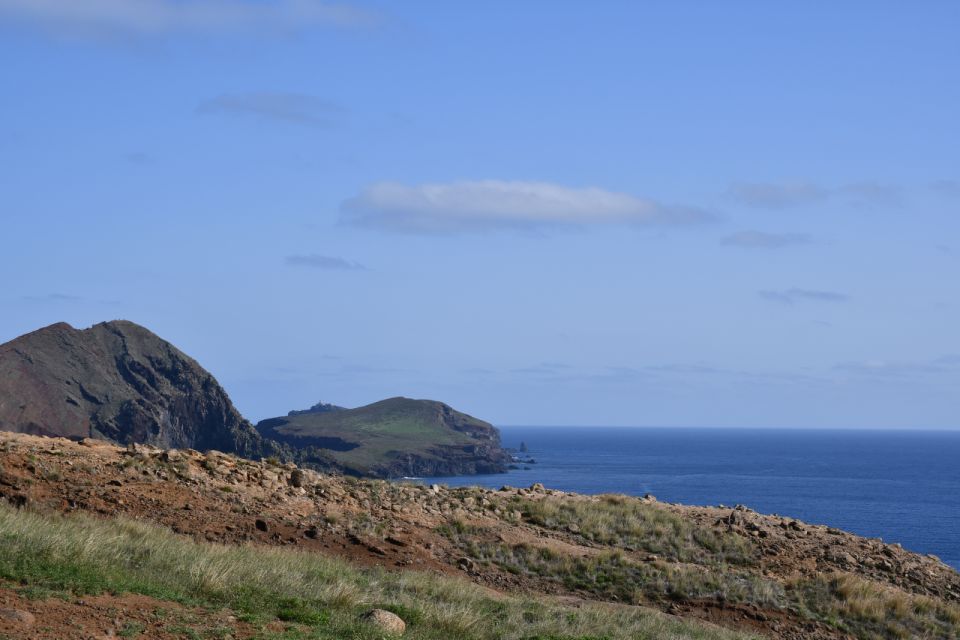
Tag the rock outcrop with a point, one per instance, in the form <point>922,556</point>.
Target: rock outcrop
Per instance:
<point>120,382</point>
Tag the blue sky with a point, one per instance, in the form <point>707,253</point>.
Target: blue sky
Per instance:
<point>617,213</point>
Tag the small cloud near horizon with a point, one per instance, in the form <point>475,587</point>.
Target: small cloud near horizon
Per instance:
<point>315,261</point>
<point>138,158</point>
<point>763,240</point>
<point>66,298</point>
<point>769,195</point>
<point>946,187</point>
<point>53,297</point>
<point>296,108</point>
<point>790,296</point>
<point>487,205</point>
<point>949,363</point>
<point>172,17</point>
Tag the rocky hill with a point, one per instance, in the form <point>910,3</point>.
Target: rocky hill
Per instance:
<point>393,438</point>
<point>120,382</point>
<point>751,574</point>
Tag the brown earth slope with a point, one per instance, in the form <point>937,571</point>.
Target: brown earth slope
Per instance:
<point>731,566</point>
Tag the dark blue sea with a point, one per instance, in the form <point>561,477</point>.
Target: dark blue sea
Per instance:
<point>902,486</point>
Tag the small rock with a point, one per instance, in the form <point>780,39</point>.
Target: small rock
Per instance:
<point>261,525</point>
<point>466,564</point>
<point>386,621</point>
<point>17,615</point>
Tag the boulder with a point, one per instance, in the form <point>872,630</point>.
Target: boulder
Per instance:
<point>24,618</point>
<point>386,621</point>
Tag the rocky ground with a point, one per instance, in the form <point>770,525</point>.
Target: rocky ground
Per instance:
<point>507,540</point>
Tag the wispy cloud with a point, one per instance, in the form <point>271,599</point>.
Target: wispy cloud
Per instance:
<point>944,364</point>
<point>946,187</point>
<point>138,158</point>
<point>65,298</point>
<point>790,296</point>
<point>54,297</point>
<point>315,261</point>
<point>170,17</point>
<point>770,195</point>
<point>763,240</point>
<point>297,108</point>
<point>498,204</point>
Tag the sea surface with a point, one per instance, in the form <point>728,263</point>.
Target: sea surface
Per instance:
<point>901,486</point>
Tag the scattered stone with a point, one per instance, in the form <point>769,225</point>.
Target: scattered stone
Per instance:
<point>18,615</point>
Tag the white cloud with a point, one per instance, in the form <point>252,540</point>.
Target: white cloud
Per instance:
<point>495,204</point>
<point>160,17</point>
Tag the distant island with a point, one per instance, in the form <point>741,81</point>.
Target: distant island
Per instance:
<point>393,438</point>
<point>120,382</point>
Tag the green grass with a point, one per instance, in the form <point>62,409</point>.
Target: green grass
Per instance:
<point>320,597</point>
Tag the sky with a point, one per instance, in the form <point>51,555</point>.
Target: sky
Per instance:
<point>681,213</point>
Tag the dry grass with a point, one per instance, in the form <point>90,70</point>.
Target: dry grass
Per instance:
<point>76,555</point>
<point>631,524</point>
<point>877,611</point>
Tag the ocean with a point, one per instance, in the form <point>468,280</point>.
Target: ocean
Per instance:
<point>901,486</point>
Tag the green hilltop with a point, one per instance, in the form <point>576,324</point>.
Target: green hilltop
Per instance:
<point>393,437</point>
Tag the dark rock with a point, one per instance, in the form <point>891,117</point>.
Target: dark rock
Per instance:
<point>261,525</point>
<point>296,478</point>
<point>127,385</point>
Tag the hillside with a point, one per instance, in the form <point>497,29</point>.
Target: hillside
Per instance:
<point>120,382</point>
<point>228,546</point>
<point>392,438</point>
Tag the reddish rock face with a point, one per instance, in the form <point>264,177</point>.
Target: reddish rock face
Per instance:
<point>120,382</point>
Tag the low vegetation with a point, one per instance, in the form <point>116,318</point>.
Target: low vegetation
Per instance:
<point>871,610</point>
<point>317,596</point>
<point>630,524</point>
<point>644,553</point>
